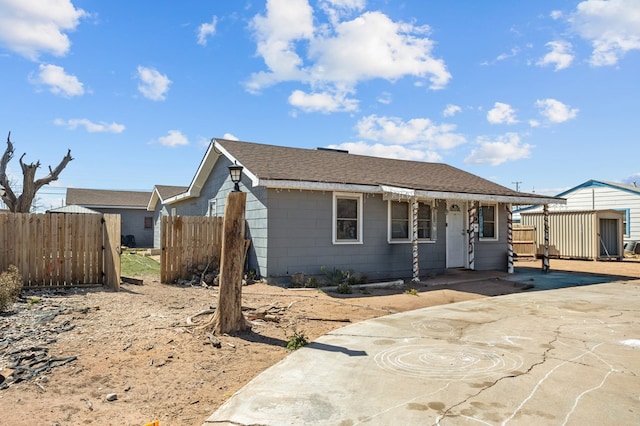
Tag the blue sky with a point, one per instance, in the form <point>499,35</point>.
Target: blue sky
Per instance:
<point>543,93</point>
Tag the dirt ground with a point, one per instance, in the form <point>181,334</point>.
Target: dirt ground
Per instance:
<point>138,345</point>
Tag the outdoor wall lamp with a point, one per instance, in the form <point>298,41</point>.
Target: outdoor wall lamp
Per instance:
<point>236,173</point>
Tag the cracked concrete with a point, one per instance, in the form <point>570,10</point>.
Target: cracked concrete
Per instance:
<point>568,357</point>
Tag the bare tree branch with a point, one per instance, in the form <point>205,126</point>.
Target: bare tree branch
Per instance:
<point>30,185</point>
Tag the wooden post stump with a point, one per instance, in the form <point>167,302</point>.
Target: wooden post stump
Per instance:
<point>228,317</point>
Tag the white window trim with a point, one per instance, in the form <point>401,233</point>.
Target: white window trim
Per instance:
<point>496,221</point>
<point>174,212</point>
<point>348,195</point>
<point>408,240</point>
<point>210,202</point>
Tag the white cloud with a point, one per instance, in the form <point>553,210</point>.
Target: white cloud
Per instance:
<point>385,98</point>
<point>33,27</point>
<point>207,29</point>
<point>59,82</point>
<point>450,110</point>
<point>230,137</point>
<point>555,111</point>
<point>90,126</point>
<point>501,113</point>
<point>173,139</point>
<point>612,27</point>
<point>153,85</point>
<point>556,14</point>
<point>560,55</point>
<point>322,102</point>
<point>337,56</point>
<point>534,123</point>
<point>415,131</point>
<point>495,152</point>
<point>388,151</point>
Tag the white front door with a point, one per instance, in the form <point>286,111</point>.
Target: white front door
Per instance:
<point>456,236</point>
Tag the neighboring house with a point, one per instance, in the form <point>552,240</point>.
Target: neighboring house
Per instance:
<point>312,208</point>
<point>130,205</point>
<point>159,208</point>
<point>73,209</point>
<point>600,195</point>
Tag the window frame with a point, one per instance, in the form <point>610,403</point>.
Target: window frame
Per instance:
<point>432,222</point>
<point>496,221</point>
<point>334,222</point>
<point>212,212</point>
<point>148,225</point>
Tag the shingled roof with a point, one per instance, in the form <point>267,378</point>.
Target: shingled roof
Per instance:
<point>280,166</point>
<point>107,198</point>
<point>163,192</point>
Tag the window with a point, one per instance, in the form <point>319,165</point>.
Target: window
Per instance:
<point>425,222</point>
<point>347,213</point>
<point>401,222</point>
<point>626,222</point>
<point>488,222</point>
<point>148,222</point>
<point>174,212</point>
<point>212,208</point>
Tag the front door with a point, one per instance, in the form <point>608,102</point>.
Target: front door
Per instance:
<point>456,236</point>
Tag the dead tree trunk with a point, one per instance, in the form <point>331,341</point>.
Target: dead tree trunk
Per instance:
<point>228,317</point>
<point>22,203</point>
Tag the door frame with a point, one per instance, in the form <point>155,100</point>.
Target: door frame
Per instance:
<point>458,206</point>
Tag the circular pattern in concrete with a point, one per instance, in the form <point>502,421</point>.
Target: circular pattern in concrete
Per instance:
<point>447,362</point>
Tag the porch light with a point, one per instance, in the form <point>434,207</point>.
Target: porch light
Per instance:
<point>236,173</point>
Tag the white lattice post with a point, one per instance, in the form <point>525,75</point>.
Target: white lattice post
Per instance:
<point>545,254</point>
<point>473,220</point>
<point>414,240</point>
<point>509,239</point>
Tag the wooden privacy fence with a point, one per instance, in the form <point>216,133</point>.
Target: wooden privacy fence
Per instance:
<point>189,241</point>
<point>52,250</point>
<point>524,241</point>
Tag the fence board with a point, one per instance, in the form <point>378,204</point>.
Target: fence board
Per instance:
<point>524,241</point>
<point>55,249</point>
<point>187,242</point>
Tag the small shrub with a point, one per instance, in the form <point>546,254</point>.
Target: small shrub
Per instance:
<point>297,341</point>
<point>344,288</point>
<point>10,287</point>
<point>312,282</point>
<point>412,292</point>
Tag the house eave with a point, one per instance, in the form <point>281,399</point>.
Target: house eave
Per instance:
<point>409,192</point>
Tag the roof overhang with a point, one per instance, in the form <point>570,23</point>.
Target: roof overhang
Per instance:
<point>392,191</point>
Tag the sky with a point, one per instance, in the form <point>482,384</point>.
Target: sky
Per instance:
<point>538,96</point>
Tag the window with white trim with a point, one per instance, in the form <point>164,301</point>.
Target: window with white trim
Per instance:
<point>488,221</point>
<point>212,207</point>
<point>401,222</point>
<point>347,218</point>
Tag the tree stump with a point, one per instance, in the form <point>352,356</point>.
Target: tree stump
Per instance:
<point>228,317</point>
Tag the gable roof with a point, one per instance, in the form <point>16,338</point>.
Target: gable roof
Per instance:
<point>592,182</point>
<point>163,192</point>
<point>297,168</point>
<point>105,198</point>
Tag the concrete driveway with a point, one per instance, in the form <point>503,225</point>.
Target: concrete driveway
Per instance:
<point>569,356</point>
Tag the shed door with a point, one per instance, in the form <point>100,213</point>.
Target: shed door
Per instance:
<point>609,233</point>
<point>456,237</point>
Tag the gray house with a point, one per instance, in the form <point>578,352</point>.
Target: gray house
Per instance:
<point>159,208</point>
<point>380,217</point>
<point>136,222</point>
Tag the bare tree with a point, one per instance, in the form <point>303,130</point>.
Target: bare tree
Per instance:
<point>22,203</point>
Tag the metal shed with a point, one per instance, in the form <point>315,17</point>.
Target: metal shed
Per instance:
<point>584,234</point>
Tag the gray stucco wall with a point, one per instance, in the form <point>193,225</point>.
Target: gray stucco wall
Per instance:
<point>300,239</point>
<point>132,223</point>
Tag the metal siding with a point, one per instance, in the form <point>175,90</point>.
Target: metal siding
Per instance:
<point>572,234</point>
